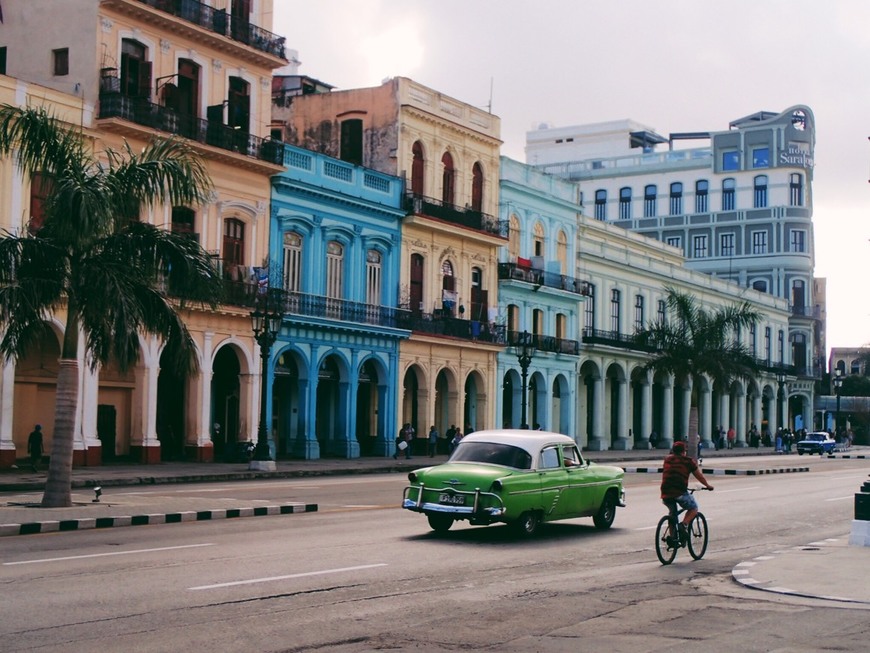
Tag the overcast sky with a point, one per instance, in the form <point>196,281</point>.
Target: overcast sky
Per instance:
<point>673,65</point>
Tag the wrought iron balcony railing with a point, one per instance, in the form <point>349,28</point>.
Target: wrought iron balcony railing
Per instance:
<point>249,295</point>
<point>148,114</point>
<point>464,217</point>
<point>545,343</point>
<point>541,278</point>
<point>445,325</point>
<point>615,339</point>
<point>220,22</point>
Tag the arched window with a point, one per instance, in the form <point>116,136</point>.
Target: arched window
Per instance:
<point>676,203</point>
<point>234,247</point>
<point>729,188</point>
<point>760,196</point>
<point>562,252</point>
<point>292,261</point>
<point>448,179</point>
<point>625,203</point>
<point>334,270</point>
<point>514,238</point>
<point>601,204</point>
<point>796,189</point>
<point>649,201</point>
<point>416,289</point>
<point>417,168</point>
<point>477,187</point>
<point>538,240</point>
<point>702,189</point>
<point>449,295</point>
<point>373,277</point>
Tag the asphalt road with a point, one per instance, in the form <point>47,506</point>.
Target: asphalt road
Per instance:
<point>363,575</point>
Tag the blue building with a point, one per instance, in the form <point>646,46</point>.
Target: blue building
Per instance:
<point>540,298</point>
<point>334,250</point>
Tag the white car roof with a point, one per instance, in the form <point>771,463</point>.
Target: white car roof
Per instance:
<point>531,441</point>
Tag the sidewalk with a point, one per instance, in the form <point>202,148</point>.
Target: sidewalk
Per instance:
<point>831,570</point>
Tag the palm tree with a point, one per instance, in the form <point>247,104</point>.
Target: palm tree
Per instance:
<point>693,342</point>
<point>92,258</point>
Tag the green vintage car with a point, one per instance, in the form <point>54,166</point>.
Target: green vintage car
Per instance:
<point>517,477</point>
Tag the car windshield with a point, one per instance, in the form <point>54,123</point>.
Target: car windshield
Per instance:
<point>816,436</point>
<point>490,452</point>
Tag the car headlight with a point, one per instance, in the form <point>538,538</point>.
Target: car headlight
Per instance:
<point>497,486</point>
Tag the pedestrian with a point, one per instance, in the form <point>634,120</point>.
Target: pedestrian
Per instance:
<point>34,446</point>
<point>457,437</point>
<point>409,439</point>
<point>731,436</point>
<point>400,438</point>
<point>433,441</point>
<point>653,439</point>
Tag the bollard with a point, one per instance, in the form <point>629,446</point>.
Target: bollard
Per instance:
<point>860,535</point>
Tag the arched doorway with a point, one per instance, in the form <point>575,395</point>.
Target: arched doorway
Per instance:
<point>367,408</point>
<point>328,422</point>
<point>225,394</point>
<point>285,403</point>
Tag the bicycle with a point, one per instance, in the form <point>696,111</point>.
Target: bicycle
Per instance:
<point>668,544</point>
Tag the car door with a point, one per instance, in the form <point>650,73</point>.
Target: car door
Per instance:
<point>579,496</point>
<point>554,481</point>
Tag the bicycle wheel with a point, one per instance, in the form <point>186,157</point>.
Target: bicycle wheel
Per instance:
<point>664,551</point>
<point>698,537</point>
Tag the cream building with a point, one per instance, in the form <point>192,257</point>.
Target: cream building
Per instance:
<point>620,404</point>
<point>133,70</point>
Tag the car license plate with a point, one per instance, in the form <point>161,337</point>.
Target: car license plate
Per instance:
<point>452,499</point>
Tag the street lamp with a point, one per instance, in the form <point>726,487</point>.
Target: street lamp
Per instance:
<point>780,417</point>
<point>525,353</point>
<point>265,325</point>
<point>838,385</point>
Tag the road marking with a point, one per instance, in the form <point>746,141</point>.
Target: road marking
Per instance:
<point>647,528</point>
<point>851,496</point>
<point>742,489</point>
<point>112,553</point>
<point>274,578</point>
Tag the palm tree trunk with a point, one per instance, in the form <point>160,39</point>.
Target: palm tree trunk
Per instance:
<point>58,485</point>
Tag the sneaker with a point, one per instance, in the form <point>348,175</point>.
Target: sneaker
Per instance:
<point>684,534</point>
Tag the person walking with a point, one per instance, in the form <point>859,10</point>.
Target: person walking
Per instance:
<point>400,438</point>
<point>433,441</point>
<point>409,439</point>
<point>732,435</point>
<point>34,447</point>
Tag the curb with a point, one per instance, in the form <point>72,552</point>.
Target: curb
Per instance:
<point>723,472</point>
<point>33,528</point>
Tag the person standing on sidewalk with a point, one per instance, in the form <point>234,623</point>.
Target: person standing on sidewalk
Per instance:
<point>34,447</point>
<point>433,441</point>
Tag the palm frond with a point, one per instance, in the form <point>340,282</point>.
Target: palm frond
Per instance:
<point>42,142</point>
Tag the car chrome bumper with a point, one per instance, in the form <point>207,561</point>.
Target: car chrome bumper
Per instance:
<point>418,505</point>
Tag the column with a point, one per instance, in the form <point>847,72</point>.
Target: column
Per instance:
<point>705,418</point>
<point>91,445</point>
<point>646,412</point>
<point>741,419</point>
<point>622,442</point>
<point>596,439</point>
<point>667,434</point>
<point>8,454</point>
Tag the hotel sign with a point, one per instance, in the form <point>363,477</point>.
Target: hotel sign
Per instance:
<point>796,154</point>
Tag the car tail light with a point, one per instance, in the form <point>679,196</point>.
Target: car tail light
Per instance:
<point>412,476</point>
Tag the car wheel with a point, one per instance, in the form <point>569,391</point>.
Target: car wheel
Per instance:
<point>800,453</point>
<point>440,523</point>
<point>527,524</point>
<point>606,513</point>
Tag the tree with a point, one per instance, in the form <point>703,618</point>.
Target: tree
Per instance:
<point>693,342</point>
<point>93,259</point>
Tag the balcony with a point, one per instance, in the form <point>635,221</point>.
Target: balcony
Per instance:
<point>455,215</point>
<point>249,295</point>
<point>615,339</point>
<point>214,22</point>
<point>442,324</point>
<point>813,312</point>
<point>147,114</point>
<point>549,344</point>
<point>540,278</point>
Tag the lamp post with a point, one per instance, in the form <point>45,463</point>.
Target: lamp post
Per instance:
<point>265,325</point>
<point>525,353</point>
<point>780,414</point>
<point>838,385</point>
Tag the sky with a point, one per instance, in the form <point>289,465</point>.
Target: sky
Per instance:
<point>673,65</point>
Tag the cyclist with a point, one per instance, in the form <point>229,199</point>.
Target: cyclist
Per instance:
<point>675,487</point>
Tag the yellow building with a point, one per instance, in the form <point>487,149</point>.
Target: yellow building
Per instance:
<point>448,153</point>
<point>135,70</point>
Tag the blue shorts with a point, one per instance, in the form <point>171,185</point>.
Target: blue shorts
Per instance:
<point>686,501</point>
